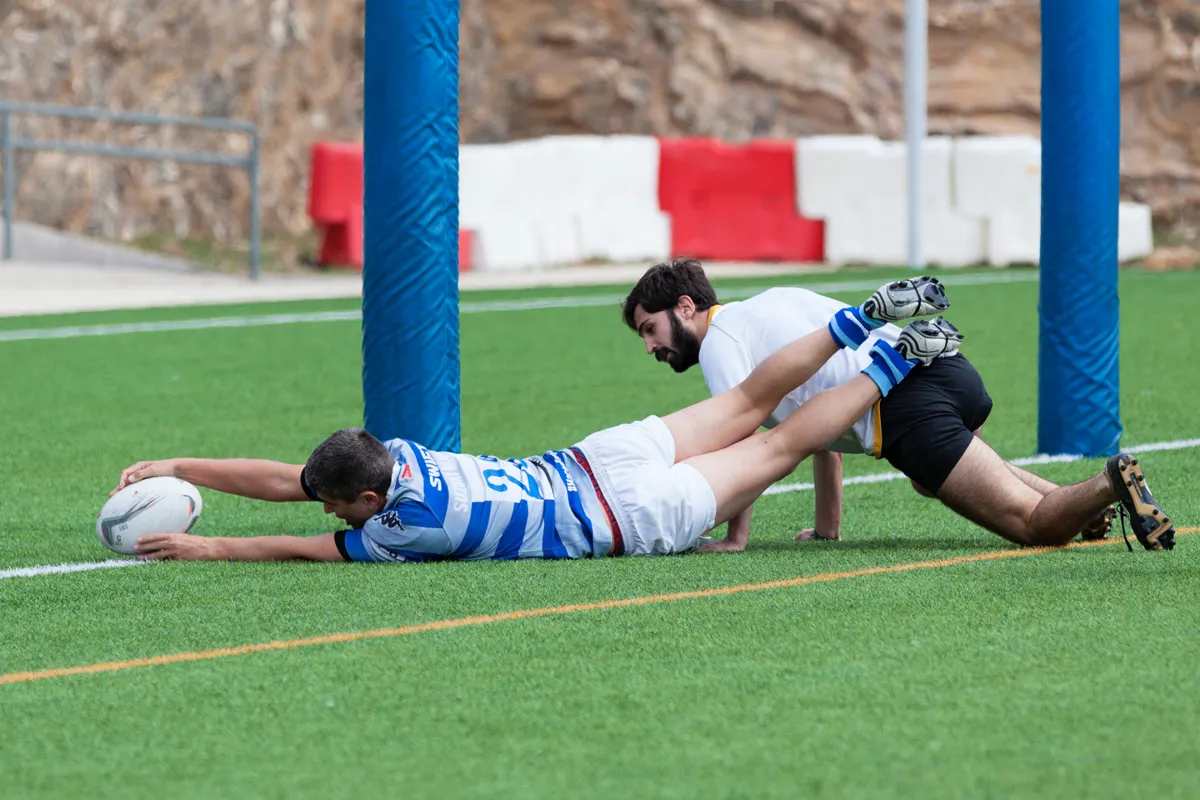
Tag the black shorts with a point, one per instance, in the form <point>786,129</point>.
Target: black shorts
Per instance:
<point>928,421</point>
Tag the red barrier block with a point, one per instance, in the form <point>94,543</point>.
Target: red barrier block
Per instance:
<point>466,242</point>
<point>335,201</point>
<point>336,180</point>
<point>735,202</point>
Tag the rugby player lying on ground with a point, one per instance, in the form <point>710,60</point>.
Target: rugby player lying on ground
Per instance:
<point>646,488</point>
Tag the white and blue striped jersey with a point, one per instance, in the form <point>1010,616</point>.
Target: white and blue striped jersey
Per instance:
<point>444,506</point>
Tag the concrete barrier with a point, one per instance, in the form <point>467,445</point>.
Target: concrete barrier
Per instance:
<point>562,200</point>
<point>1135,232</point>
<point>567,199</point>
<point>858,185</point>
<point>998,180</point>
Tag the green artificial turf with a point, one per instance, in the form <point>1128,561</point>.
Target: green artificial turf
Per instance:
<point>1055,674</point>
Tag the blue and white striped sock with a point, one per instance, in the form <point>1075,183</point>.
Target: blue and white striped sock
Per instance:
<point>850,327</point>
<point>887,367</point>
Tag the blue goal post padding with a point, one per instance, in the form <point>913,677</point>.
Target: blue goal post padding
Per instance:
<point>1079,410</point>
<point>410,220</point>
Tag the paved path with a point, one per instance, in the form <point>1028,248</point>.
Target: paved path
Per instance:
<point>55,288</point>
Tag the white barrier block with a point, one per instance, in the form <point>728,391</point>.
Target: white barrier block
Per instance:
<point>835,181</point>
<point>578,197</point>
<point>1015,234</point>
<point>949,239</point>
<point>491,187</point>
<point>551,171</point>
<point>845,238</point>
<point>486,172</point>
<point>831,172</point>
<point>952,240</point>
<point>867,222</point>
<point>617,234</point>
<point>558,237</point>
<point>998,180</point>
<point>511,195</point>
<point>1135,232</point>
<point>618,217</point>
<point>506,243</point>
<point>627,168</point>
<point>938,185</point>
<point>994,174</point>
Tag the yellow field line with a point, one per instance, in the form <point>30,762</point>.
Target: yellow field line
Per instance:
<point>463,622</point>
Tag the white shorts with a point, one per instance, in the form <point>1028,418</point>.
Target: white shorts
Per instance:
<point>662,507</point>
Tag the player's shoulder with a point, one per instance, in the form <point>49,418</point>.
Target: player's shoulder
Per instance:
<point>782,305</point>
<point>729,318</point>
<point>791,309</point>
<point>406,475</point>
<point>412,455</point>
<point>401,449</point>
<point>724,332</point>
<point>778,301</point>
<point>791,297</point>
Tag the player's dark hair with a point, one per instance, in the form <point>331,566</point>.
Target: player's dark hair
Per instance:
<point>348,463</point>
<point>662,286</point>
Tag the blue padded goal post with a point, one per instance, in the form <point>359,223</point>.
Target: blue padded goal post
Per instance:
<point>410,220</point>
<point>1079,408</point>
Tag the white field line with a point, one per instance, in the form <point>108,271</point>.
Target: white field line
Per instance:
<point>1180,444</point>
<point>59,569</point>
<point>469,307</point>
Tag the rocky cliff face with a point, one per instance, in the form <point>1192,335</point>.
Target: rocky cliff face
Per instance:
<point>735,69</point>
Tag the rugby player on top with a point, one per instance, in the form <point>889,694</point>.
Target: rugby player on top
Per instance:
<point>928,428</point>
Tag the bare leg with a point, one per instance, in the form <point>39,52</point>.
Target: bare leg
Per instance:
<point>731,416</point>
<point>1096,528</point>
<point>986,490</point>
<point>739,473</point>
<point>1067,510</point>
<point>1035,482</point>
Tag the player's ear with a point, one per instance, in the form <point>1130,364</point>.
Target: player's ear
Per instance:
<point>686,307</point>
<point>371,499</point>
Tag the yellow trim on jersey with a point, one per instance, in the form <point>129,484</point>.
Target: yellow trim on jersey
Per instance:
<point>877,445</point>
<point>712,312</point>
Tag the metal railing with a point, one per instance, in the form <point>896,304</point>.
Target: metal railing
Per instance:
<point>9,144</point>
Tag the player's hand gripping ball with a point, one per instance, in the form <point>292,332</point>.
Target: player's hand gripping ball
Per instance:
<point>154,505</point>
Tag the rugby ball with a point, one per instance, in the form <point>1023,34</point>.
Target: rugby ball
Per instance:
<point>154,505</point>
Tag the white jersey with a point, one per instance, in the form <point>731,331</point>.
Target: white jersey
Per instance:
<point>445,506</point>
<point>744,334</point>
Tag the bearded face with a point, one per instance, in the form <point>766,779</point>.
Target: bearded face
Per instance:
<point>684,350</point>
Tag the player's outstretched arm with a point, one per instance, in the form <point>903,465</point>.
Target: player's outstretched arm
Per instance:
<point>827,490</point>
<point>186,547</point>
<point>258,479</point>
